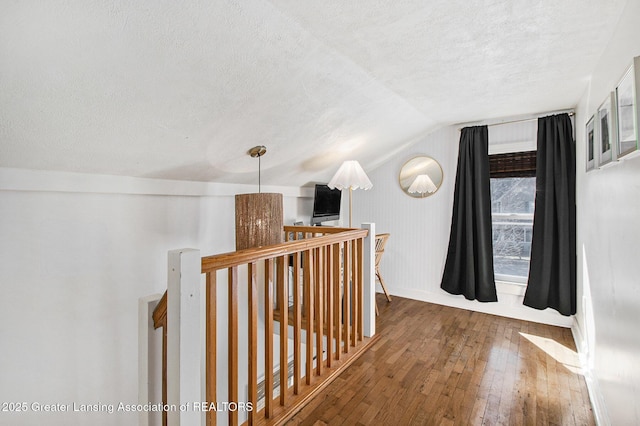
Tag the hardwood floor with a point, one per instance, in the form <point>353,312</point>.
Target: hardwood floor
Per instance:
<point>435,365</point>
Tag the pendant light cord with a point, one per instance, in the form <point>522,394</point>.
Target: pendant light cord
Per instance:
<point>258,151</point>
<point>259,174</point>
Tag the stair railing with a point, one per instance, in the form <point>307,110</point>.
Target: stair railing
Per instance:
<point>282,321</point>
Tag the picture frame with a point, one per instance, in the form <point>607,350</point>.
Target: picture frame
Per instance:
<point>590,140</point>
<point>626,99</point>
<point>606,140</point>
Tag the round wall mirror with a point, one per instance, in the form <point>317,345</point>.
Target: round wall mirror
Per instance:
<point>421,177</point>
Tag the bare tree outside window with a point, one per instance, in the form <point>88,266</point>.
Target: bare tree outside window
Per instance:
<point>512,206</point>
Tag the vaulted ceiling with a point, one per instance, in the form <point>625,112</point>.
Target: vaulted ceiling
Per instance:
<point>182,89</point>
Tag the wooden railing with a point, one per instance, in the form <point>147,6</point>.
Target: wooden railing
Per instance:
<point>305,300</point>
<point>324,311</point>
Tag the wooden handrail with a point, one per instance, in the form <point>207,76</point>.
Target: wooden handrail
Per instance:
<point>322,230</point>
<point>242,257</point>
<point>160,312</point>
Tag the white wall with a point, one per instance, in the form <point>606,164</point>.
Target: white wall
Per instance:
<point>608,246</point>
<point>76,253</point>
<point>415,254</point>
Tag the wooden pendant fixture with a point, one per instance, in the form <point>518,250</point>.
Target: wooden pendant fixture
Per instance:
<point>259,217</point>
<point>258,220</point>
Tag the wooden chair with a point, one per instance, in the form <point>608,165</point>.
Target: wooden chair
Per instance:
<point>381,241</point>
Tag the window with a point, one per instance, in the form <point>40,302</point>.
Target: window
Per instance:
<point>513,189</point>
<point>512,203</point>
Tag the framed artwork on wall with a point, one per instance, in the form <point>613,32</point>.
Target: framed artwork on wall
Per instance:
<point>627,110</point>
<point>606,133</point>
<point>591,141</point>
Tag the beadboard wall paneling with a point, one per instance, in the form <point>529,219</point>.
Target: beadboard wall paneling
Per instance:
<point>416,252</point>
<point>608,212</point>
<point>77,251</point>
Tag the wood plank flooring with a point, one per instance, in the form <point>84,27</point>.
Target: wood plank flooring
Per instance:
<point>435,365</point>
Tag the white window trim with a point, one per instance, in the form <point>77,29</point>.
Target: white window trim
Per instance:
<point>508,148</point>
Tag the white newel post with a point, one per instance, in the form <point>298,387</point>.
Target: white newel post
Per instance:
<point>368,281</point>
<point>184,344</point>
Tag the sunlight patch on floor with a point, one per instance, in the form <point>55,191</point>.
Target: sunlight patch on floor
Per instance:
<point>565,356</point>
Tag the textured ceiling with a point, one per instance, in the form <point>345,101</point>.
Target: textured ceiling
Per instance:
<point>181,90</point>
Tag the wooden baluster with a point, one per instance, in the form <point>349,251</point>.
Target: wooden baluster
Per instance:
<point>297,323</point>
<point>346,303</point>
<point>360,243</point>
<point>283,301</point>
<point>355,280</point>
<point>253,340</point>
<point>211,341</point>
<point>268,338</point>
<point>337,295</point>
<point>319,308</point>
<point>308,302</point>
<point>329,267</point>
<point>233,342</point>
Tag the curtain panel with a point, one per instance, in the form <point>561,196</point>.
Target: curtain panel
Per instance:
<point>468,269</point>
<point>552,271</point>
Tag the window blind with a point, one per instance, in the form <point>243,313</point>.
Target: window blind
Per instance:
<point>513,164</point>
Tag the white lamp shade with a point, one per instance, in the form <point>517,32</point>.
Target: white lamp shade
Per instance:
<point>350,175</point>
<point>422,185</point>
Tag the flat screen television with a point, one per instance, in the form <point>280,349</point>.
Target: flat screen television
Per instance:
<point>326,204</point>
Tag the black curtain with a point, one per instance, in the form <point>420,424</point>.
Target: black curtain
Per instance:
<point>552,272</point>
<point>469,266</point>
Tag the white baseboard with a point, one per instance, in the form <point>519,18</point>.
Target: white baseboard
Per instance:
<point>495,308</point>
<point>600,413</point>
